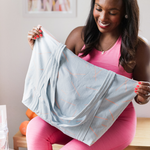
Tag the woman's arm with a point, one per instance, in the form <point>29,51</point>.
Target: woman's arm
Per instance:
<point>141,72</point>
<point>74,41</point>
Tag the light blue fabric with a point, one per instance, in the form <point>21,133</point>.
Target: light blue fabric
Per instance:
<point>78,98</point>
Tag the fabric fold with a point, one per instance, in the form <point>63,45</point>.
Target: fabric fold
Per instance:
<point>78,98</point>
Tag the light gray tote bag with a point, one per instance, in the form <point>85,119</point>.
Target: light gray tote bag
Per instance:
<point>78,98</point>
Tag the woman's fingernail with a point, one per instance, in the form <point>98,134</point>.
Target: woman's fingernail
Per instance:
<point>41,35</point>
<point>136,89</point>
<point>40,31</point>
<point>139,82</point>
<point>37,36</point>
<point>137,86</point>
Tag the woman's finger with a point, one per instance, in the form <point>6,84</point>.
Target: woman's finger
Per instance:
<point>39,26</point>
<point>34,33</point>
<point>142,99</point>
<point>143,89</point>
<point>144,93</point>
<point>144,83</point>
<point>37,31</point>
<point>141,94</point>
<point>31,37</point>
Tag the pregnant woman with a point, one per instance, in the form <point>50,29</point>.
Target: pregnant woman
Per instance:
<point>108,40</point>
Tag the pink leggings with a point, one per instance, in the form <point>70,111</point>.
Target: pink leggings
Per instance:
<point>41,135</point>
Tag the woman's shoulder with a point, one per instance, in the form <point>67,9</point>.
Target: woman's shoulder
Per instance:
<point>75,40</point>
<point>143,48</point>
<point>142,69</point>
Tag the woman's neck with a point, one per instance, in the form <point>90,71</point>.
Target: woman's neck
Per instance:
<point>107,40</point>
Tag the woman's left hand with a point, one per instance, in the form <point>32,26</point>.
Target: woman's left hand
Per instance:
<point>143,92</point>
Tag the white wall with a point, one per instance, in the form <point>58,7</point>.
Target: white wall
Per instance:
<point>144,18</point>
<point>15,52</point>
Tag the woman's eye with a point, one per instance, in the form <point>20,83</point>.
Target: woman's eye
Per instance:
<point>112,13</point>
<point>99,9</point>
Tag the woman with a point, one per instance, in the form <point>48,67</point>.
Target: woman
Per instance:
<point>109,40</point>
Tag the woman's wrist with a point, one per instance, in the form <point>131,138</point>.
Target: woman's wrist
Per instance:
<point>136,99</point>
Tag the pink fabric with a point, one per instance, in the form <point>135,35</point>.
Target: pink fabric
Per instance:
<point>41,135</point>
<point>109,60</point>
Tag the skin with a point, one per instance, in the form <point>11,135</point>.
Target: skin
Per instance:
<point>111,12</point>
<point>108,12</point>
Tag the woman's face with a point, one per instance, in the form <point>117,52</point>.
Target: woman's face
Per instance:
<point>108,15</point>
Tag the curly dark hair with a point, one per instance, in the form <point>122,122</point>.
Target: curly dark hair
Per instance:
<point>129,33</point>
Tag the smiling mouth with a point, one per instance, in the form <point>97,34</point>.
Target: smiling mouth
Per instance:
<point>103,25</point>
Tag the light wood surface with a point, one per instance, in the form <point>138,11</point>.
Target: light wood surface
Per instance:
<point>57,147</point>
<point>137,148</point>
<point>141,140</point>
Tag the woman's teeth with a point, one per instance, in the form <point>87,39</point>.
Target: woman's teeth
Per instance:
<point>104,25</point>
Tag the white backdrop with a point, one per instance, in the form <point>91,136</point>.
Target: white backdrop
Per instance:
<point>15,52</point>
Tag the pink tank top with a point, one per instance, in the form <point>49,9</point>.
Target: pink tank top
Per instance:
<point>108,60</point>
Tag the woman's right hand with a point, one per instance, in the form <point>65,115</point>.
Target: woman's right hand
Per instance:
<point>35,33</point>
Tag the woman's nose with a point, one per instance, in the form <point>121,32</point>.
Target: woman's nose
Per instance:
<point>103,16</point>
